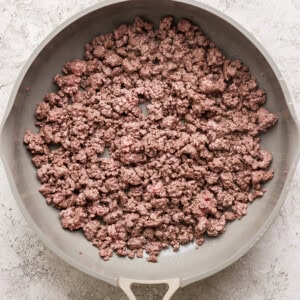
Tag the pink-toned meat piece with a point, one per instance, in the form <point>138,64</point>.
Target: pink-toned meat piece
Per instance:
<point>174,175</point>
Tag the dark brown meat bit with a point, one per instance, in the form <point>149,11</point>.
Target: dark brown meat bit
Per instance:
<point>173,175</point>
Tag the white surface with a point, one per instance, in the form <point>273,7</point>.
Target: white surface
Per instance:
<point>271,270</point>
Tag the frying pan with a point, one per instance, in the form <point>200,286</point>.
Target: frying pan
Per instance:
<point>189,264</point>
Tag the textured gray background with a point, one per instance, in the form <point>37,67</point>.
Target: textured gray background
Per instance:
<point>271,270</point>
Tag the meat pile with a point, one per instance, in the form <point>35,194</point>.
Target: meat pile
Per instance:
<point>174,174</point>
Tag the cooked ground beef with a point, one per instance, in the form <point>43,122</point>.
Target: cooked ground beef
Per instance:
<point>174,174</point>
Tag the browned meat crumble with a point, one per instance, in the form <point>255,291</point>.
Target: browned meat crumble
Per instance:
<point>182,171</point>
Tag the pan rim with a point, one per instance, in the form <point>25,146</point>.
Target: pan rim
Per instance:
<point>112,280</point>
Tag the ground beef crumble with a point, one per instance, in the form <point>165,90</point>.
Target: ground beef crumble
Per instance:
<point>173,175</point>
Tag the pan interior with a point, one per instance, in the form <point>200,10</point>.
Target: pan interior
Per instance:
<point>189,263</point>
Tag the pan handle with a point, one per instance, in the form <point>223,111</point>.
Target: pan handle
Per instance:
<point>125,285</point>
